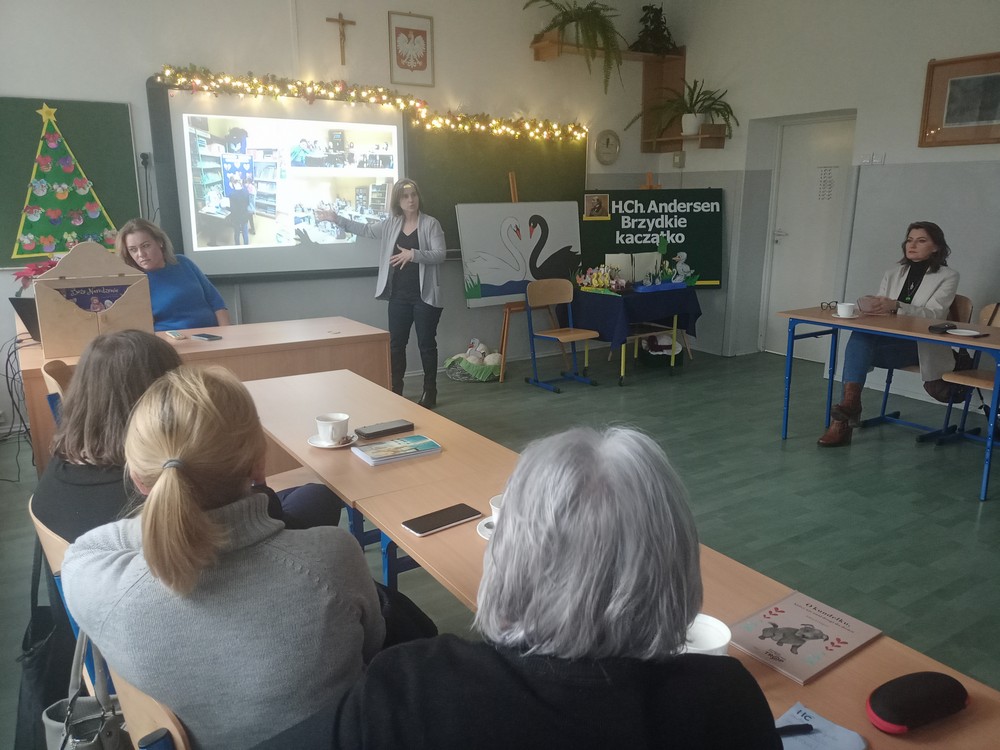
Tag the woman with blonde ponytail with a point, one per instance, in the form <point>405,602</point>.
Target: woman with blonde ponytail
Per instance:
<point>241,626</point>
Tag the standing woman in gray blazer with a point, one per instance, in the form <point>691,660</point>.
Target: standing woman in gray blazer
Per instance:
<point>921,285</point>
<point>411,247</point>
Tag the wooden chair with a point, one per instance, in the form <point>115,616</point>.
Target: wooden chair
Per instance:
<point>144,714</point>
<point>543,293</point>
<point>959,312</point>
<point>978,378</point>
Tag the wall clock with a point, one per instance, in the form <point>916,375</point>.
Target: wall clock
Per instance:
<point>607,147</point>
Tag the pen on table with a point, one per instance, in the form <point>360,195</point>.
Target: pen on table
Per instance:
<point>791,730</point>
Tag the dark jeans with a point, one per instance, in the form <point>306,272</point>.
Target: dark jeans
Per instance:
<point>867,350</point>
<point>307,506</point>
<point>403,315</point>
<point>241,232</point>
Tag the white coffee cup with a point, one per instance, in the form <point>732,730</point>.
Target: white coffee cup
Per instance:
<point>707,635</point>
<point>495,502</point>
<point>846,309</point>
<point>332,427</point>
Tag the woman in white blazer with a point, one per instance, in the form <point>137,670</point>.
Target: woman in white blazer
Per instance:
<point>922,286</point>
<point>411,247</point>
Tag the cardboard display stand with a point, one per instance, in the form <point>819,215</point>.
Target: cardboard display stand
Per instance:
<point>91,291</point>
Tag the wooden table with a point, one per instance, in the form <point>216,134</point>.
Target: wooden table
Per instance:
<point>252,351</point>
<point>471,469</point>
<point>895,326</point>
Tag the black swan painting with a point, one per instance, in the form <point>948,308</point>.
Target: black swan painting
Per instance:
<point>561,264</point>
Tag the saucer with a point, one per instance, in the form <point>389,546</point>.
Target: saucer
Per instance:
<point>315,442</point>
<point>485,527</point>
<point>846,317</point>
<point>962,332</point>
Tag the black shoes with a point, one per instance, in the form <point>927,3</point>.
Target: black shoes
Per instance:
<point>428,399</point>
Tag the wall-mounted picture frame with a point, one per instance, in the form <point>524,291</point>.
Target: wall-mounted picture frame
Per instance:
<point>411,49</point>
<point>961,101</point>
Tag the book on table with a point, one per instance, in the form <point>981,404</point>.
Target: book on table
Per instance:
<point>800,636</point>
<point>396,449</point>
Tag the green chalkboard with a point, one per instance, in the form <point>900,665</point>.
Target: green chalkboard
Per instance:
<point>100,136</point>
<point>453,168</point>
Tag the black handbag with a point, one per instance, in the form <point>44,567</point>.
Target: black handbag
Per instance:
<point>46,659</point>
<point>84,722</point>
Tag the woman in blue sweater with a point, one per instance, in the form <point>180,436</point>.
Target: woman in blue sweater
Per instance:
<point>181,295</point>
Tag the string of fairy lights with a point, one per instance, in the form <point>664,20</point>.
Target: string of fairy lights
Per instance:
<point>197,79</point>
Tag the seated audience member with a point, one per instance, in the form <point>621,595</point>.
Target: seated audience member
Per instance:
<point>181,295</point>
<point>589,585</point>
<point>922,286</point>
<point>242,627</point>
<point>84,484</point>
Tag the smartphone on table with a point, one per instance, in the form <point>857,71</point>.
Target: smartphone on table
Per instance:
<point>205,336</point>
<point>439,520</point>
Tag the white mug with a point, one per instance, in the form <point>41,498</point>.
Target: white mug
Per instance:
<point>332,427</point>
<point>495,503</point>
<point>845,309</point>
<point>707,635</point>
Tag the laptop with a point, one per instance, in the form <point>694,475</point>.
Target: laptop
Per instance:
<point>28,313</point>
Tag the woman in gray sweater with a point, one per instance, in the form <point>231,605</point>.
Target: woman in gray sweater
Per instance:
<point>241,626</point>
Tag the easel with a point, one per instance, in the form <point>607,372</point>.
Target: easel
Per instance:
<point>517,307</point>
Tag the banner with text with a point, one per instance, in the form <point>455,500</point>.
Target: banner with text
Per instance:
<point>634,221</point>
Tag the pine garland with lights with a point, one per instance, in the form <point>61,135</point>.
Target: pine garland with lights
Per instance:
<point>198,79</point>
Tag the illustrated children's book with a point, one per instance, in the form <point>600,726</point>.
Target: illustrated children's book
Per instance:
<point>394,450</point>
<point>801,637</point>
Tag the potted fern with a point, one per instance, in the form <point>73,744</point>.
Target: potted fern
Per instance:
<point>693,106</point>
<point>593,27</point>
<point>655,36</point>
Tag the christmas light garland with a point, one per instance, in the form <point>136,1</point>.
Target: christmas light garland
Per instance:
<point>198,79</point>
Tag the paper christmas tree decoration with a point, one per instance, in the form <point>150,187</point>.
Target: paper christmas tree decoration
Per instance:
<point>61,207</point>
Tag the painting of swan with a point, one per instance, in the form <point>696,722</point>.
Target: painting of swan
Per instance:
<point>535,240</point>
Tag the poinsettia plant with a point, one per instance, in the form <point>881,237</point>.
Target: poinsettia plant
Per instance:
<point>30,271</point>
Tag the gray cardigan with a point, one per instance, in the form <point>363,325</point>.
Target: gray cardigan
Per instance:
<point>431,252</point>
<point>276,630</point>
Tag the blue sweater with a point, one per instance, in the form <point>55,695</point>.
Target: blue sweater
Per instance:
<point>182,297</point>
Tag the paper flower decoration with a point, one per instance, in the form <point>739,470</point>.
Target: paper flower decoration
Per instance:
<point>31,270</point>
<point>76,217</point>
<point>28,243</point>
<point>93,209</point>
<point>48,243</point>
<point>109,237</point>
<point>44,162</point>
<point>66,163</point>
<point>55,215</point>
<point>52,139</point>
<point>39,187</point>
<point>61,189</point>
<point>34,213</point>
<point>82,185</point>
<point>71,239</point>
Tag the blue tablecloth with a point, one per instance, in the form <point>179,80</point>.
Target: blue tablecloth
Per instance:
<point>610,315</point>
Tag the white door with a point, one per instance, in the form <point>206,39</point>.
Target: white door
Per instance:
<point>813,174</point>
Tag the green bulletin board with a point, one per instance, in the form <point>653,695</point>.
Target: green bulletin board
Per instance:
<point>633,221</point>
<point>96,144</point>
<point>453,168</point>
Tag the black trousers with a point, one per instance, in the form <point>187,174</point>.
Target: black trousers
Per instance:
<point>424,317</point>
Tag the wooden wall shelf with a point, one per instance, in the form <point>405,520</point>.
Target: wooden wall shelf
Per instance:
<point>547,47</point>
<point>709,136</point>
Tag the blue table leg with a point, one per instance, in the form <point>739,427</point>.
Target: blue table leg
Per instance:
<point>356,523</point>
<point>392,564</point>
<point>989,432</point>
<point>789,352</point>
<point>831,371</point>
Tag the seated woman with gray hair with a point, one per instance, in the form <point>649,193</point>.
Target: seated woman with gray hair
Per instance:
<point>589,584</point>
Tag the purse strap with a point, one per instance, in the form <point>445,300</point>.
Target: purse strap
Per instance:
<point>100,676</point>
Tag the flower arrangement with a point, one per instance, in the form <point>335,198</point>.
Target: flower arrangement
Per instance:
<point>27,274</point>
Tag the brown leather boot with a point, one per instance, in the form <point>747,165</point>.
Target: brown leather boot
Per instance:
<point>849,409</point>
<point>839,433</point>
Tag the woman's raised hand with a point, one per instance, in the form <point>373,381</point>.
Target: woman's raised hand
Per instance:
<point>326,214</point>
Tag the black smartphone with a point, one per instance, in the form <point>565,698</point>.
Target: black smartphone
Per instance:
<point>382,429</point>
<point>441,519</point>
<point>205,336</point>
<point>941,327</point>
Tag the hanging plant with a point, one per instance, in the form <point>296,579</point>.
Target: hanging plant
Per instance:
<point>655,36</point>
<point>594,31</point>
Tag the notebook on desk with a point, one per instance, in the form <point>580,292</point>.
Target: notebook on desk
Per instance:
<point>28,313</point>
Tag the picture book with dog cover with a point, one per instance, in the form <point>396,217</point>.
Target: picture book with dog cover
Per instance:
<point>800,636</point>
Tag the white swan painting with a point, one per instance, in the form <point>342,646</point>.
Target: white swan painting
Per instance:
<point>534,241</point>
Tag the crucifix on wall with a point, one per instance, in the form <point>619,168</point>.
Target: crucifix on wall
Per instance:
<point>343,23</point>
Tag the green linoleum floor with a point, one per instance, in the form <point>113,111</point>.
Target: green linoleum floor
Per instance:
<point>886,529</point>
